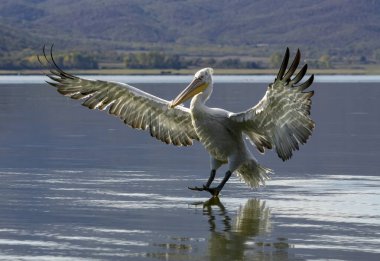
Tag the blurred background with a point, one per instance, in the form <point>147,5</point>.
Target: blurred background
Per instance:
<point>336,36</point>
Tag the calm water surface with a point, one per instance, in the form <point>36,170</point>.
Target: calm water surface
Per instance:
<point>79,185</point>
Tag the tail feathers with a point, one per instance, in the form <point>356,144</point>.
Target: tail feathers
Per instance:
<point>253,174</point>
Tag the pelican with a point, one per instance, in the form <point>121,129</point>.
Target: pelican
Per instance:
<point>280,121</point>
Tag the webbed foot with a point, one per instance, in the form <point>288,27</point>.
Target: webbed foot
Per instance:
<point>213,191</point>
<point>203,188</point>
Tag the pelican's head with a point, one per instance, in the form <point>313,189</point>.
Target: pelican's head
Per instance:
<point>202,80</point>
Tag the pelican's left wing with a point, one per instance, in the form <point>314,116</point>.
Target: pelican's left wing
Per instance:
<point>134,107</point>
<point>281,120</point>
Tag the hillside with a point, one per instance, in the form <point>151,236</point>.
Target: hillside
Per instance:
<point>224,27</point>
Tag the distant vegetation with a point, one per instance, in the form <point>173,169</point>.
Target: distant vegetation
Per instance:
<point>77,60</point>
<point>159,60</point>
<point>141,60</point>
<point>154,60</point>
<point>323,62</point>
<point>69,61</point>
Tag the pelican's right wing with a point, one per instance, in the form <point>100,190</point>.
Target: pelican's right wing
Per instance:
<point>134,107</point>
<point>281,120</point>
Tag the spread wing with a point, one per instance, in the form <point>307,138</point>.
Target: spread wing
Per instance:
<point>281,120</point>
<point>134,107</point>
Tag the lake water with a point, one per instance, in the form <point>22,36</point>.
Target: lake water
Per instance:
<point>77,184</point>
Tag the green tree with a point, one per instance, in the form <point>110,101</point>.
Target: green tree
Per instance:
<point>275,60</point>
<point>324,61</point>
<point>80,61</point>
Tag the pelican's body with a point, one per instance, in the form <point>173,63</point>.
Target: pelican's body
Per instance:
<point>215,133</point>
<point>280,120</point>
<point>225,144</point>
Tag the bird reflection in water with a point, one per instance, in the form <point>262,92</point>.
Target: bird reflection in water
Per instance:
<point>247,235</point>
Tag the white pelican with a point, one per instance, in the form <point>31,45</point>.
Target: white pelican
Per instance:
<point>281,120</point>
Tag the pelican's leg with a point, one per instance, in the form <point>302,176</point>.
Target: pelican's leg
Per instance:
<point>234,161</point>
<point>209,181</point>
<point>211,178</point>
<point>215,164</point>
<point>216,190</point>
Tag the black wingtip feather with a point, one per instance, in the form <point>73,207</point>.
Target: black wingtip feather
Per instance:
<point>300,75</point>
<point>294,66</point>
<point>57,85</point>
<point>284,64</point>
<point>63,73</point>
<point>54,68</point>
<point>306,84</point>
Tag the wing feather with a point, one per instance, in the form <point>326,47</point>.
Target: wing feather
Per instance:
<point>134,107</point>
<point>282,117</point>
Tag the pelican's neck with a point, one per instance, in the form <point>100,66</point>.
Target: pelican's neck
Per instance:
<point>200,99</point>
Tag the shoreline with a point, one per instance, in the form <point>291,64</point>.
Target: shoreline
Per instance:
<point>374,71</point>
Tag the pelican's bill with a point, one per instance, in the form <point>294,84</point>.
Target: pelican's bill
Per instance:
<point>195,87</point>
